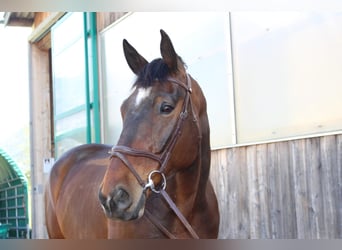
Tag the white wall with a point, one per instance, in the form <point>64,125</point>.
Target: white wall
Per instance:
<point>266,75</point>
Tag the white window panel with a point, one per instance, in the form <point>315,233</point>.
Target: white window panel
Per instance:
<point>287,74</point>
<point>200,38</point>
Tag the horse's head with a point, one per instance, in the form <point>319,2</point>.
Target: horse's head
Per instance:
<point>162,130</point>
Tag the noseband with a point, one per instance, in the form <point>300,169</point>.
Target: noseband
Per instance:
<point>120,152</point>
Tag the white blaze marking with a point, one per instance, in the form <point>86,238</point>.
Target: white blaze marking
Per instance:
<point>142,94</point>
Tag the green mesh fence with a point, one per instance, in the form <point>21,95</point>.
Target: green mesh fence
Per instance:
<point>13,199</point>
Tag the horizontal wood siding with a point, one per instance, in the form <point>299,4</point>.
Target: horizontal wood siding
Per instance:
<point>286,190</point>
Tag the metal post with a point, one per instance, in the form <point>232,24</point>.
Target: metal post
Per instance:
<point>91,66</point>
<point>95,80</point>
<point>87,87</point>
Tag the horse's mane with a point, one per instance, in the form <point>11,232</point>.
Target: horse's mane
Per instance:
<point>155,71</point>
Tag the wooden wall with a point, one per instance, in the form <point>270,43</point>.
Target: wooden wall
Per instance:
<point>104,19</point>
<point>40,127</point>
<point>290,189</point>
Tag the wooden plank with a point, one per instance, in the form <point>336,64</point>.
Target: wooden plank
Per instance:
<point>242,194</point>
<point>45,42</point>
<point>39,17</point>
<point>283,190</point>
<point>40,132</point>
<point>253,193</point>
<point>104,19</point>
<point>273,189</point>
<point>232,193</point>
<point>329,160</point>
<point>231,188</point>
<point>300,187</point>
<point>219,177</point>
<point>339,185</point>
<point>265,231</point>
<point>286,193</point>
<point>44,26</point>
<point>278,180</point>
<point>312,147</point>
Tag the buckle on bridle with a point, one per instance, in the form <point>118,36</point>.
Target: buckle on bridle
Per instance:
<point>150,184</point>
<point>183,115</point>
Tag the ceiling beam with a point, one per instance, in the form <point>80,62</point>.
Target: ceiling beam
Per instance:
<point>44,27</point>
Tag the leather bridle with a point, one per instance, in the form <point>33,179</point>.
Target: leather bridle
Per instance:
<point>120,152</point>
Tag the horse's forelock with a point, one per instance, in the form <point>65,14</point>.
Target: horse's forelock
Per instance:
<point>157,70</point>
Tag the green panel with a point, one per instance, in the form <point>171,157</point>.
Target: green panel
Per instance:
<point>22,233</point>
<point>13,196</point>
<point>15,182</point>
<point>11,212</point>
<point>21,190</point>
<point>21,211</point>
<point>20,201</point>
<point>76,91</point>
<point>2,214</point>
<point>3,204</point>
<point>12,233</point>
<point>11,192</point>
<point>13,222</point>
<point>21,222</point>
<point>4,231</point>
<point>69,83</point>
<point>11,203</point>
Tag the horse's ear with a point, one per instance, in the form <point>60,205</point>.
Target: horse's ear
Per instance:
<point>168,52</point>
<point>135,61</point>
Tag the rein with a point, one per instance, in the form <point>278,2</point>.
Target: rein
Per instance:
<point>120,152</point>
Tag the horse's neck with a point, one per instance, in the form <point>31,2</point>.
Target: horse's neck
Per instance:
<point>204,154</point>
<point>189,186</point>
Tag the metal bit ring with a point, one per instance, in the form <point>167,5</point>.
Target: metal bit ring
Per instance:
<point>150,183</point>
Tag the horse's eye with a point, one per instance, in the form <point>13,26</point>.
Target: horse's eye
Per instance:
<point>166,108</point>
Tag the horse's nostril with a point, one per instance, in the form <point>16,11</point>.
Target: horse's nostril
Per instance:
<point>115,205</point>
<point>120,199</point>
<point>102,198</point>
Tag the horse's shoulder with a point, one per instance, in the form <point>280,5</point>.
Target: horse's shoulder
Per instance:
<point>70,160</point>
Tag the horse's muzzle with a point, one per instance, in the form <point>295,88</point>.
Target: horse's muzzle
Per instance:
<point>119,205</point>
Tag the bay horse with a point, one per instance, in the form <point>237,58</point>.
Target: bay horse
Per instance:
<point>155,182</point>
